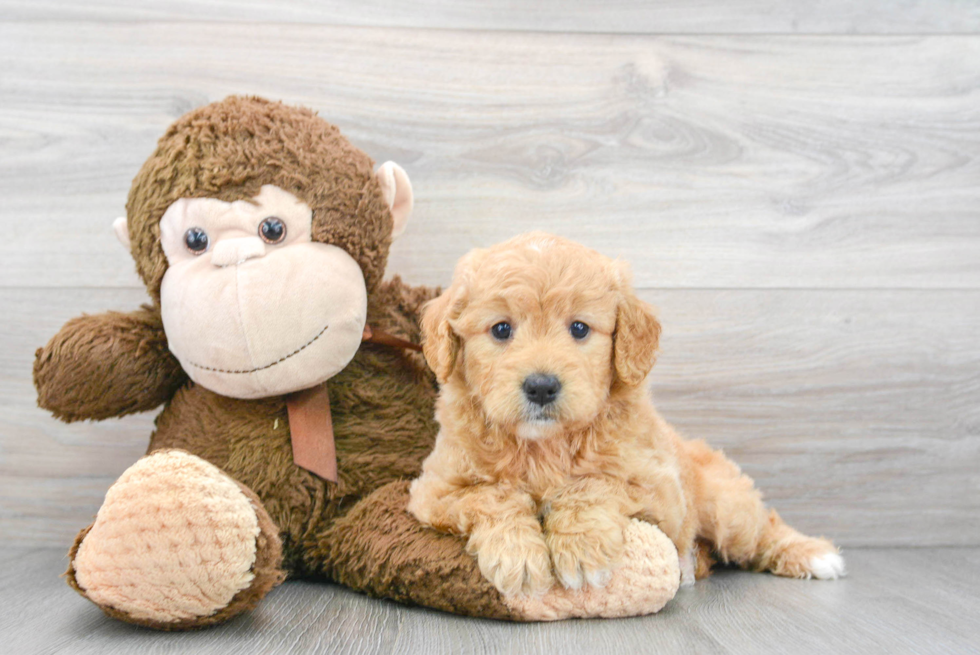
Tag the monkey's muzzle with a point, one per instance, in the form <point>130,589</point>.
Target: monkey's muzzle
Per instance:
<point>267,325</point>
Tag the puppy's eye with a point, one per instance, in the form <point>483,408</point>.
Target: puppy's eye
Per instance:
<point>501,331</point>
<point>272,230</point>
<point>579,330</point>
<point>196,240</point>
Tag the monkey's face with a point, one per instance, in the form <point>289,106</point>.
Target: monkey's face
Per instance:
<point>251,305</point>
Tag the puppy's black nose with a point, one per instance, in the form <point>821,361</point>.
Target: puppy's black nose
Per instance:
<point>541,389</point>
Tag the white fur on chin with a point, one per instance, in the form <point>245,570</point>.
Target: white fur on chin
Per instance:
<point>537,429</point>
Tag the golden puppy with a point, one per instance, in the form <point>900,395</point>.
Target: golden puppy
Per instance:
<point>549,442</point>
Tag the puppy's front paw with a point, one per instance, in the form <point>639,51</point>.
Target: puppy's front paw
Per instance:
<point>585,553</point>
<point>514,558</point>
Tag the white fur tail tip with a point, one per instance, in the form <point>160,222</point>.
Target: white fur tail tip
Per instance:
<point>827,567</point>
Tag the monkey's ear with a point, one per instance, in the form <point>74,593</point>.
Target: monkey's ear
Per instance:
<point>397,191</point>
<point>121,229</point>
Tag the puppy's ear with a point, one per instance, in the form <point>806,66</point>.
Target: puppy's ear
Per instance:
<point>440,344</point>
<point>636,339</point>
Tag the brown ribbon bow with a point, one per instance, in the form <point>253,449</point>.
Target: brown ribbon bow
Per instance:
<point>310,424</point>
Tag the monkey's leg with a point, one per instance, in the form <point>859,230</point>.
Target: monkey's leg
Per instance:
<point>382,550</point>
<point>177,544</point>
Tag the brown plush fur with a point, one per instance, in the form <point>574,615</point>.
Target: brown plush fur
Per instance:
<point>382,406</point>
<point>545,492</point>
<point>380,548</point>
<point>125,352</point>
<point>382,402</point>
<point>227,150</point>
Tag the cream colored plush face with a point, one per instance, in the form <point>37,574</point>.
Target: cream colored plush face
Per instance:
<point>248,318</point>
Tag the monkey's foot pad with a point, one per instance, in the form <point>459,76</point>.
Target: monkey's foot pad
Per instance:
<point>645,581</point>
<point>177,544</point>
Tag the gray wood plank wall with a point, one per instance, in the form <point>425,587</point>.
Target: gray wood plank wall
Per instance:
<point>796,185</point>
<point>616,16</point>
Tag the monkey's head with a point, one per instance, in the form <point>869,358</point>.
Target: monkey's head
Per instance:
<point>260,231</point>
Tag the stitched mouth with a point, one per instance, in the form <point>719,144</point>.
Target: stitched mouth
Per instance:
<point>267,366</point>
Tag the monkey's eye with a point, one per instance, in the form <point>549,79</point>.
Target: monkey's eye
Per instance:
<point>501,331</point>
<point>196,240</point>
<point>579,330</point>
<point>272,230</point>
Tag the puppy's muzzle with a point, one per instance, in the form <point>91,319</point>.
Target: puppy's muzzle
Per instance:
<point>541,389</point>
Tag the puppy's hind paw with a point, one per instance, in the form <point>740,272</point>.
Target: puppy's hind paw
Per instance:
<point>687,564</point>
<point>829,566</point>
<point>808,558</point>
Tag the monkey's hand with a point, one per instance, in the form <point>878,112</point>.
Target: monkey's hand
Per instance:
<point>107,365</point>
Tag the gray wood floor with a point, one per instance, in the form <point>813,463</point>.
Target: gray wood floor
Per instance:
<point>914,600</point>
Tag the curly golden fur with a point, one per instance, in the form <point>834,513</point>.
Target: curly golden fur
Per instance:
<point>544,490</point>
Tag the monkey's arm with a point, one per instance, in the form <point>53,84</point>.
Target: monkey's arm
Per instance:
<point>106,365</point>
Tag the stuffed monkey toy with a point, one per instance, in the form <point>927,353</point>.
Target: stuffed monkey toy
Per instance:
<point>295,406</point>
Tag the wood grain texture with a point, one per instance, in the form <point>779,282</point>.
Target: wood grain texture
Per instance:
<point>616,16</point>
<point>719,162</point>
<point>920,601</point>
<point>857,412</point>
<point>804,210</point>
